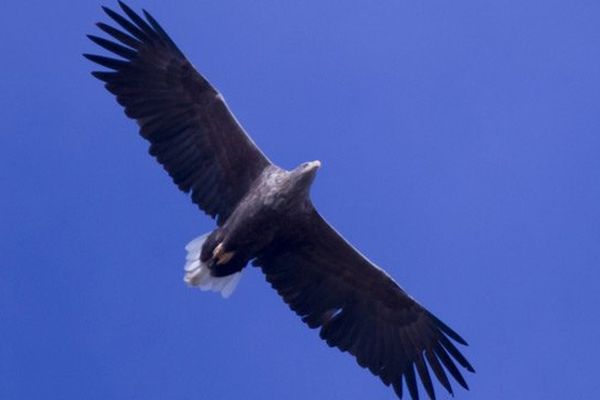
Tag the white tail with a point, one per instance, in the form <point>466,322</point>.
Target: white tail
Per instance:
<point>197,273</point>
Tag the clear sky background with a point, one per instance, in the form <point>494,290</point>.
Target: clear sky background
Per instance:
<point>461,152</point>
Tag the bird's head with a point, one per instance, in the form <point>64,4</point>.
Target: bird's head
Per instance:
<point>307,170</point>
<point>303,176</point>
<point>309,167</point>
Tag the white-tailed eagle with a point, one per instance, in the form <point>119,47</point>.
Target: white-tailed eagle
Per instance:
<point>264,215</point>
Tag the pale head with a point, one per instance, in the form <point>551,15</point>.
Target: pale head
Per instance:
<point>302,177</point>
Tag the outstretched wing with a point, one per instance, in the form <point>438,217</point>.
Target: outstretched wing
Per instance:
<point>360,309</point>
<point>191,131</point>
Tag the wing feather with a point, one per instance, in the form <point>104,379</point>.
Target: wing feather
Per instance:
<point>360,309</point>
<point>191,131</point>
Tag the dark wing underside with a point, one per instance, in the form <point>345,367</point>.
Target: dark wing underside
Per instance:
<point>360,309</point>
<point>191,131</point>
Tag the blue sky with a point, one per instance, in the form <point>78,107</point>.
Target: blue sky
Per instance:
<point>460,147</point>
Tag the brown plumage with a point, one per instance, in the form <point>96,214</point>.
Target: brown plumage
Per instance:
<point>264,214</point>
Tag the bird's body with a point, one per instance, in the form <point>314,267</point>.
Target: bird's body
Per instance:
<point>278,198</point>
<point>265,216</point>
<point>274,202</point>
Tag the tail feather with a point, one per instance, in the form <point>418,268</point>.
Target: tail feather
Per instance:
<point>198,274</point>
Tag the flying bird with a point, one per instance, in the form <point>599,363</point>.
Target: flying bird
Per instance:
<point>264,215</point>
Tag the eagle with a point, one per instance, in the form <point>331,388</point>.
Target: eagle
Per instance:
<point>264,215</point>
